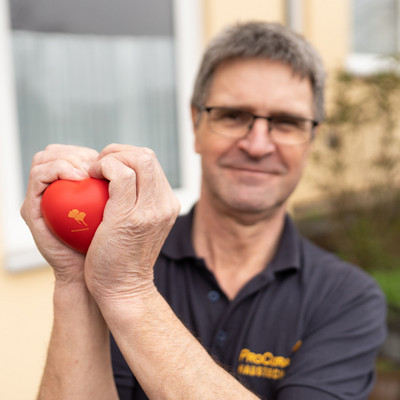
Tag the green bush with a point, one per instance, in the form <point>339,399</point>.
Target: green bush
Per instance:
<point>389,281</point>
<point>356,168</point>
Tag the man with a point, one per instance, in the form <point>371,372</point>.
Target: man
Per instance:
<point>232,303</point>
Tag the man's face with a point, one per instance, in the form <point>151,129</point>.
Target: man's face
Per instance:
<point>252,174</point>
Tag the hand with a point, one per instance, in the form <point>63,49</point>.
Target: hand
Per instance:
<point>55,162</point>
<point>137,218</point>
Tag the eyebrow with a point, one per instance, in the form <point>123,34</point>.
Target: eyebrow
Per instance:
<point>282,113</point>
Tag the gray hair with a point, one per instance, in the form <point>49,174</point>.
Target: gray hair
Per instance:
<point>271,41</point>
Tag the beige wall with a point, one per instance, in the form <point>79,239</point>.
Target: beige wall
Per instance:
<point>326,25</point>
<point>219,13</point>
<point>26,297</point>
<point>25,315</point>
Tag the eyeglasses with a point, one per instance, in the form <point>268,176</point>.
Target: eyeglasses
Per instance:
<point>236,123</point>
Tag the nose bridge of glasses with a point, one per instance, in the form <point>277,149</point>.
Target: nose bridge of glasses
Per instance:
<point>262,117</point>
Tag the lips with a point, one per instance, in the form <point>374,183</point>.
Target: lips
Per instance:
<point>251,168</point>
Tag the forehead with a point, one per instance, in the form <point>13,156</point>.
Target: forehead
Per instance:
<point>262,85</point>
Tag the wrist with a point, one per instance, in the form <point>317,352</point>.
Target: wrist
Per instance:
<point>76,312</point>
<point>73,298</point>
<point>69,275</point>
<point>129,308</point>
<point>70,286</point>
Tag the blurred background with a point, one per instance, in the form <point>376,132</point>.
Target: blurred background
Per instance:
<point>94,72</point>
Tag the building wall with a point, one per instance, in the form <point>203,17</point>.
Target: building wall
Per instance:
<point>26,297</point>
<point>219,13</point>
<point>25,315</point>
<point>325,24</point>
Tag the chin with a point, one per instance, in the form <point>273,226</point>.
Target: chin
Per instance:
<point>253,200</point>
<point>253,208</point>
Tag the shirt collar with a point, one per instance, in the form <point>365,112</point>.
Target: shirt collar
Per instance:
<point>288,254</point>
<point>178,244</point>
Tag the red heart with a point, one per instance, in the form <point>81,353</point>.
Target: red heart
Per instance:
<point>74,209</point>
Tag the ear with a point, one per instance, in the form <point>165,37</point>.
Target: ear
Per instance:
<point>195,125</point>
<point>317,129</point>
<point>310,145</point>
<point>315,134</point>
<point>195,115</point>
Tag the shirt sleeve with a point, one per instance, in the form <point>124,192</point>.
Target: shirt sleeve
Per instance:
<point>341,339</point>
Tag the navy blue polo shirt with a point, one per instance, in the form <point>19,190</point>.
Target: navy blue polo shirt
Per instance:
<point>306,328</point>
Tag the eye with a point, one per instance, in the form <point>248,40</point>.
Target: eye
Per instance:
<point>288,123</point>
<point>230,116</point>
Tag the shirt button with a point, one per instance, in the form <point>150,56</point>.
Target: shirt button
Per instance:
<point>221,337</point>
<point>213,296</point>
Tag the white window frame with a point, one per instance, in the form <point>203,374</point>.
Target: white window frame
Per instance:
<point>294,15</point>
<point>364,64</point>
<point>17,246</point>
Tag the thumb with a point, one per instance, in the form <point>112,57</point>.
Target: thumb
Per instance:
<point>122,181</point>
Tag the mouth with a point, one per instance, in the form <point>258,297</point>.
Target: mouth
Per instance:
<point>252,169</point>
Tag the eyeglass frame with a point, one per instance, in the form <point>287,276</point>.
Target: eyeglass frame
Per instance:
<point>314,123</point>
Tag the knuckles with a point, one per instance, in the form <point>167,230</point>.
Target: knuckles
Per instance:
<point>35,171</point>
<point>148,160</point>
<point>22,212</point>
<point>149,153</point>
<point>38,158</point>
<point>56,151</point>
<point>153,218</point>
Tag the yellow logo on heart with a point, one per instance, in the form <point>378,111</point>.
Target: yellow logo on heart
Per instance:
<point>79,217</point>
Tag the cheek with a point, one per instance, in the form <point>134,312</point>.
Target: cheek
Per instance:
<point>295,158</point>
<point>210,146</point>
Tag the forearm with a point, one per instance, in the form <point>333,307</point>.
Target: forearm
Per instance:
<point>78,363</point>
<point>167,360</point>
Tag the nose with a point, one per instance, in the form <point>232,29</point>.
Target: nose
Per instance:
<point>257,143</point>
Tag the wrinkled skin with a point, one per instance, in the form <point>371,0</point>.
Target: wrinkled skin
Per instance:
<point>55,162</point>
<point>137,218</point>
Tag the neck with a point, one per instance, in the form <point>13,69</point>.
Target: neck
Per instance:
<point>235,248</point>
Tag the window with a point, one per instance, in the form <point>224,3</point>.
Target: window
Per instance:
<point>294,15</point>
<point>123,76</point>
<point>375,28</point>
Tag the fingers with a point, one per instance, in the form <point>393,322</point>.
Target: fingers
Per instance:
<point>122,184</point>
<point>79,157</point>
<point>134,169</point>
<point>60,162</point>
<point>136,178</point>
<point>43,174</point>
<point>53,163</point>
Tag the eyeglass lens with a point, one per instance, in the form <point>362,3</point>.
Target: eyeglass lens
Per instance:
<point>237,123</point>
